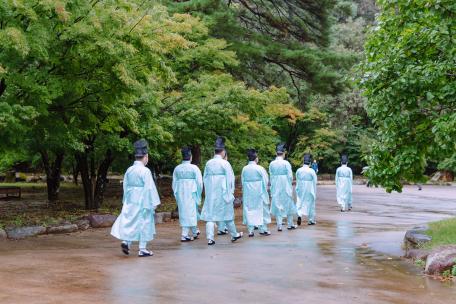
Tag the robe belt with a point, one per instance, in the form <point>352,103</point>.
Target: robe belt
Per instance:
<point>222,174</point>
<point>279,174</point>
<point>256,180</point>
<point>190,178</point>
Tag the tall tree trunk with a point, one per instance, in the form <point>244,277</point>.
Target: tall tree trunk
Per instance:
<point>94,180</point>
<point>102,174</point>
<point>83,165</point>
<point>53,171</point>
<point>76,170</point>
<point>196,154</point>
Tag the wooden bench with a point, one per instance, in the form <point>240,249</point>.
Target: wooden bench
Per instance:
<point>11,191</point>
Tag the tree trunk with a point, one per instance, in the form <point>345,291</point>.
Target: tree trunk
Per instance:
<point>196,155</point>
<point>53,171</point>
<point>83,165</point>
<point>94,181</point>
<point>102,174</point>
<point>75,172</point>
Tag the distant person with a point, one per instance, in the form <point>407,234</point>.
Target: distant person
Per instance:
<point>306,191</point>
<point>140,198</point>
<point>281,176</point>
<point>315,166</point>
<point>218,206</point>
<point>344,181</point>
<point>255,196</point>
<point>187,188</point>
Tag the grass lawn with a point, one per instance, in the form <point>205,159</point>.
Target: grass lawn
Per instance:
<point>442,233</point>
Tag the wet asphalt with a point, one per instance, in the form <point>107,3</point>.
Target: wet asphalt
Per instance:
<point>352,257</point>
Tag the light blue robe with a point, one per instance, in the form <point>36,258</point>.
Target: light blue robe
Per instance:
<point>281,177</point>
<point>187,189</point>
<point>140,198</point>
<point>255,196</point>
<point>218,181</point>
<point>344,184</point>
<point>306,192</point>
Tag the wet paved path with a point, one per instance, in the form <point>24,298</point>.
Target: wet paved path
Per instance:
<point>347,258</point>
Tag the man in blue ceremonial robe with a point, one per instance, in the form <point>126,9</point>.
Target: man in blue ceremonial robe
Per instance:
<point>218,206</point>
<point>140,198</point>
<point>344,184</point>
<point>255,196</point>
<point>281,177</point>
<point>306,191</point>
<point>187,189</point>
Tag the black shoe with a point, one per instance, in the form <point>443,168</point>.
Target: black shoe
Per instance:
<point>292,227</point>
<point>196,236</point>
<point>125,248</point>
<point>311,223</point>
<point>350,208</point>
<point>210,242</point>
<point>265,233</point>
<point>342,210</point>
<point>187,239</point>
<point>255,227</point>
<point>239,235</point>
<point>222,232</point>
<point>299,221</point>
<point>251,234</point>
<point>279,229</point>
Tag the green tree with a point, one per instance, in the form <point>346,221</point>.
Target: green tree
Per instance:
<point>339,123</point>
<point>409,80</point>
<point>92,77</point>
<point>77,70</point>
<point>282,43</point>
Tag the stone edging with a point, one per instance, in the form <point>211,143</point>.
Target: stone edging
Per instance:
<point>437,260</point>
<point>84,223</point>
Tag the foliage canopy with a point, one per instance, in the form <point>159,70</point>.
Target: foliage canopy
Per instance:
<point>409,80</point>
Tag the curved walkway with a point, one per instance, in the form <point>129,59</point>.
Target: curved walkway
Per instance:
<point>346,258</point>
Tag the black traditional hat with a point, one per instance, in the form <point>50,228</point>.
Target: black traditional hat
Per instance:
<point>280,148</point>
<point>252,154</point>
<point>186,153</point>
<point>220,143</point>
<point>307,159</point>
<point>141,148</point>
<point>344,159</point>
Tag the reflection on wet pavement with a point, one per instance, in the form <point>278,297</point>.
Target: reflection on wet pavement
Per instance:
<point>347,258</point>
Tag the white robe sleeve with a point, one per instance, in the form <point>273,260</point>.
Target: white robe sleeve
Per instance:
<point>124,185</point>
<point>151,198</point>
<point>199,184</point>
<point>290,172</point>
<point>298,185</point>
<point>174,182</point>
<point>314,181</point>
<point>230,182</point>
<point>264,175</point>
<point>337,178</point>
